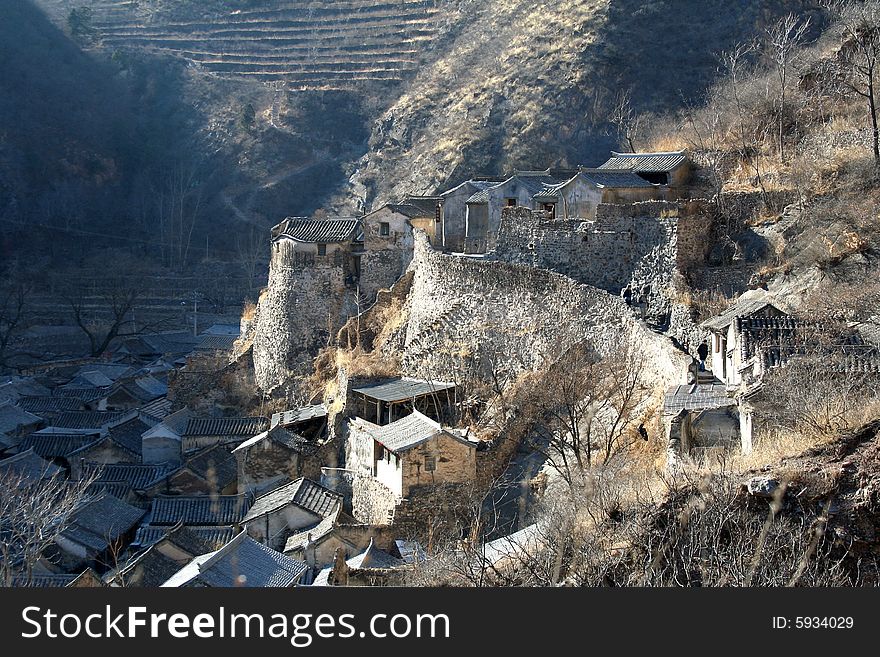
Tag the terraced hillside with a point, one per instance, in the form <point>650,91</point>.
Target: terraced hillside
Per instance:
<point>323,44</point>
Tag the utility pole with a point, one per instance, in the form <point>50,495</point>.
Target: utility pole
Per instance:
<point>195,312</point>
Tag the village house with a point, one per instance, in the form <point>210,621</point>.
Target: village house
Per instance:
<point>16,423</point>
<point>241,562</point>
<point>274,456</point>
<point>119,442</point>
<point>669,170</point>
<point>387,401</point>
<point>453,211</point>
<point>98,529</point>
<point>483,214</point>
<point>289,508</point>
<point>134,393</point>
<point>57,445</point>
<point>579,196</point>
<point>317,545</point>
<point>372,567</point>
<point>334,242</point>
<point>739,331</point>
<point>213,536</point>
<point>210,471</point>
<point>204,432</point>
<point>163,443</point>
<point>409,453</point>
<point>701,419</point>
<point>388,244</point>
<point>198,510</point>
<point>145,480</point>
<point>27,466</point>
<point>154,564</point>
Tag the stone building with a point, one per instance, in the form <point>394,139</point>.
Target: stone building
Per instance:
<point>275,456</point>
<point>453,211</point>
<point>669,170</point>
<point>483,214</point>
<point>290,508</point>
<point>739,332</point>
<point>314,273</point>
<point>579,196</point>
<point>388,245</point>
<point>701,419</point>
<point>409,453</point>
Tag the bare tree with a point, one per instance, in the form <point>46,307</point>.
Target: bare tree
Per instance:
<point>626,120</point>
<point>108,314</point>
<point>585,407</point>
<point>33,513</point>
<point>859,22</point>
<point>13,310</point>
<point>737,64</point>
<point>783,42</point>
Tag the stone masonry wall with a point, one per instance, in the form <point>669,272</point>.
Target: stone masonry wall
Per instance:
<point>467,315</point>
<point>301,307</point>
<point>637,244</point>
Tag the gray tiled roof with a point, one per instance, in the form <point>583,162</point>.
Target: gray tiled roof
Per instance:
<point>281,436</point>
<point>403,389</point>
<point>297,415</point>
<point>84,394</point>
<point>373,557</point>
<point>86,419</point>
<point>57,444</point>
<point>139,476</point>
<point>743,308</point>
<point>695,397</point>
<point>128,434</point>
<point>624,179</point>
<point>12,418</point>
<point>225,426</point>
<point>481,196</point>
<point>101,520</point>
<point>118,489</point>
<point>241,562</point>
<point>158,409</point>
<point>43,581</point>
<point>403,434</point>
<point>49,404</point>
<point>311,535</point>
<point>304,493</point>
<point>321,231</point>
<point>773,335</point>
<point>148,568</point>
<point>411,210</point>
<point>29,465</point>
<point>199,510</point>
<point>645,162</point>
<point>426,205</point>
<point>216,342</point>
<point>212,537</point>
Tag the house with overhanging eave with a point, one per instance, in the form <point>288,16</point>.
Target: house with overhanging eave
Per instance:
<point>290,508</point>
<point>241,562</point>
<point>412,452</point>
<point>320,243</point>
<point>668,169</point>
<point>579,196</point>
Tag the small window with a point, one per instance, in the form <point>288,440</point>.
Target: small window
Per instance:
<point>430,464</point>
<point>384,228</point>
<point>322,249</point>
<point>511,202</point>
